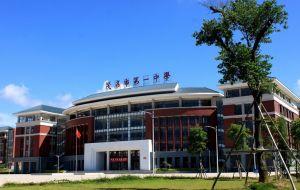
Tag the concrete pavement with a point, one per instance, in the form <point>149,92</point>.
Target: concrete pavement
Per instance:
<point>57,177</point>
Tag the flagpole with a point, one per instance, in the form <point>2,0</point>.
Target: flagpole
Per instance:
<point>76,149</point>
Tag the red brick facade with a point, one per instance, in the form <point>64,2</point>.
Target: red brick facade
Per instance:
<point>85,126</point>
<point>40,141</point>
<point>272,106</point>
<point>183,119</point>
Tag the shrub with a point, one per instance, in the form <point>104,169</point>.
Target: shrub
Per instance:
<point>262,186</point>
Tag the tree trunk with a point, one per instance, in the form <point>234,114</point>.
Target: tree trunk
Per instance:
<point>297,156</point>
<point>260,156</point>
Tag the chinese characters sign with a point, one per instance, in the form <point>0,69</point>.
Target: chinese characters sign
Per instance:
<point>138,81</point>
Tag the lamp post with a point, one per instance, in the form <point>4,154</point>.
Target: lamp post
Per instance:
<point>217,146</point>
<point>153,151</point>
<point>57,156</point>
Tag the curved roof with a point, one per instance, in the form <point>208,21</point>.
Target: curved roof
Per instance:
<point>139,94</point>
<point>155,89</point>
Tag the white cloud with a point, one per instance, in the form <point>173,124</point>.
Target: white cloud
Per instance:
<point>7,119</point>
<point>64,100</point>
<point>18,94</point>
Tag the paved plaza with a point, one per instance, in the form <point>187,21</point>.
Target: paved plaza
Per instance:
<point>42,178</point>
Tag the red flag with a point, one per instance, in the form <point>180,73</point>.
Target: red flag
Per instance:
<point>78,135</point>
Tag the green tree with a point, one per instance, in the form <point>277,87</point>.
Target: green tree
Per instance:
<point>296,137</point>
<point>296,133</point>
<point>239,29</point>
<point>198,141</point>
<point>282,128</point>
<point>242,143</point>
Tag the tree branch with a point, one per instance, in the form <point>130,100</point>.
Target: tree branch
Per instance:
<point>217,10</point>
<point>260,35</point>
<point>223,45</point>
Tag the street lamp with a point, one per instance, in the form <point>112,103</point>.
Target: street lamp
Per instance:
<point>153,152</point>
<point>57,156</point>
<point>217,146</point>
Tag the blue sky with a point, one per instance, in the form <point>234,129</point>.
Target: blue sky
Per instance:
<point>55,51</point>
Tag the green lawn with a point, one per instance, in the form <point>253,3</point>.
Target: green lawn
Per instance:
<point>135,183</point>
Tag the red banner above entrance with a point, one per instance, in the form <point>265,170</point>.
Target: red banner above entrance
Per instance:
<point>125,159</point>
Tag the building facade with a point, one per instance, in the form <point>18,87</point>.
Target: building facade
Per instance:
<point>237,102</point>
<point>6,145</point>
<point>116,127</point>
<point>125,129</point>
<point>36,145</point>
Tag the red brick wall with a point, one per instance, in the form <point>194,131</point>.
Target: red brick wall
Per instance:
<point>85,126</point>
<point>35,140</point>
<point>179,113</point>
<point>271,106</point>
<point>40,144</point>
<point>228,110</point>
<point>18,146</point>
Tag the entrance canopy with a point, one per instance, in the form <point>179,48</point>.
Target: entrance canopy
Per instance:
<point>118,155</point>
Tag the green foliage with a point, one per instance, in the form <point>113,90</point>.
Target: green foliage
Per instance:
<point>239,29</point>
<point>3,169</point>
<point>296,131</point>
<point>263,186</point>
<point>282,127</point>
<point>233,133</point>
<point>198,140</point>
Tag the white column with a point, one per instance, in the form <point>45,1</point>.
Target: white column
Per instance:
<point>107,123</point>
<point>129,159</point>
<point>107,160</point>
<point>128,123</point>
<point>180,101</point>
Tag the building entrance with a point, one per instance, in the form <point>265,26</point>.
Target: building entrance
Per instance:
<point>118,160</point>
<point>135,160</point>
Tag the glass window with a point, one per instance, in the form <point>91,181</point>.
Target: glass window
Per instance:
<point>118,122</point>
<point>140,107</point>
<point>246,92</point>
<point>137,134</point>
<point>190,103</point>
<point>247,108</point>
<point>118,135</point>
<point>232,93</point>
<point>162,146</point>
<point>205,102</point>
<point>135,159</point>
<point>99,112</point>
<point>177,133</point>
<point>167,104</point>
<point>162,134</point>
<point>170,146</point>
<point>170,134</point>
<point>100,124</point>
<point>100,137</point>
<point>136,120</point>
<point>119,109</point>
<point>238,109</point>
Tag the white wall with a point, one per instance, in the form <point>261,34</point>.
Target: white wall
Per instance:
<point>91,160</point>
